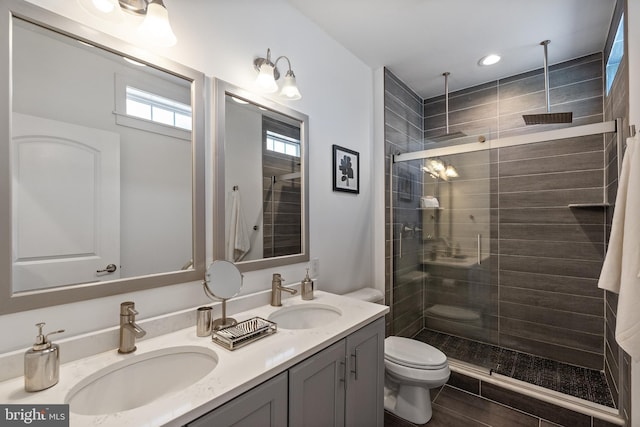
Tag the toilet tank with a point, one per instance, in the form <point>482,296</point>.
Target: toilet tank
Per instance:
<point>367,294</point>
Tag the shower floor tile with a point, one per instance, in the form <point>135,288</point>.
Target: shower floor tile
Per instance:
<point>587,384</point>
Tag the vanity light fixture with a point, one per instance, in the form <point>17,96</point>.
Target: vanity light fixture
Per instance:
<point>489,60</point>
<point>268,74</point>
<point>155,28</point>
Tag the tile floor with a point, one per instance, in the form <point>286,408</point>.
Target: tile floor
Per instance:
<point>575,381</point>
<point>455,408</point>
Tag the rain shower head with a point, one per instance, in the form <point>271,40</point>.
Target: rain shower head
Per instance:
<point>548,117</point>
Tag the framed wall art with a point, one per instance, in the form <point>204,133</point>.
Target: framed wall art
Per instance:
<point>346,170</point>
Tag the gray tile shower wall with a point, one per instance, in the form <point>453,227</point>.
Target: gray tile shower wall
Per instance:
<point>498,106</point>
<point>616,105</point>
<point>545,256</point>
<point>403,133</point>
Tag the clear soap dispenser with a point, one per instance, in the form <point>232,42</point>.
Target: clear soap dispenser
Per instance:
<point>42,362</point>
<point>307,287</point>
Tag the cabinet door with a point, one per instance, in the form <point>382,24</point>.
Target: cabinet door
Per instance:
<point>365,377</point>
<point>316,389</point>
<point>265,405</point>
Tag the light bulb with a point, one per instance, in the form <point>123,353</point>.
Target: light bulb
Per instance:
<point>155,27</point>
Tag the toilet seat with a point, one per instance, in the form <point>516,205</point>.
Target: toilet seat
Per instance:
<point>413,354</point>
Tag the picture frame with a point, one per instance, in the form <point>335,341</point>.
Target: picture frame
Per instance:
<point>346,170</point>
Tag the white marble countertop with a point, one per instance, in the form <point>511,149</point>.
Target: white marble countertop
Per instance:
<point>236,372</point>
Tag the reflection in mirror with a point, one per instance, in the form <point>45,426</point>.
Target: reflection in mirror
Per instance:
<point>264,190</point>
<point>101,165</point>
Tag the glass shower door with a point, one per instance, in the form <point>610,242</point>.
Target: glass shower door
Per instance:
<point>460,297</point>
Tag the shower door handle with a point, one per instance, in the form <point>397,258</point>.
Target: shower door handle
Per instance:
<point>479,249</point>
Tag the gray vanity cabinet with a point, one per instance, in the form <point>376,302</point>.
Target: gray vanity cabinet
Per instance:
<point>316,389</point>
<point>265,405</point>
<point>365,384</point>
<point>342,385</point>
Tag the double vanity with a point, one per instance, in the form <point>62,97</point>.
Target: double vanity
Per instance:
<point>151,181</point>
<point>330,343</point>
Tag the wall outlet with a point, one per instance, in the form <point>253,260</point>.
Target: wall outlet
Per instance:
<point>314,270</point>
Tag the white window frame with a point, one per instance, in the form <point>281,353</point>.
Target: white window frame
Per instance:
<point>286,140</point>
<point>158,86</point>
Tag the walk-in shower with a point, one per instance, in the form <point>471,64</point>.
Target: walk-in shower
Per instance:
<point>496,263</point>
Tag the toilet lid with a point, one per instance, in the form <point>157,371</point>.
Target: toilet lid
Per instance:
<point>413,353</point>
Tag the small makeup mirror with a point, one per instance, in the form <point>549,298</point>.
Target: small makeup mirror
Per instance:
<point>222,281</point>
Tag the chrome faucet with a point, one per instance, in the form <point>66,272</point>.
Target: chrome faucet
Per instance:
<point>277,288</point>
<point>129,330</point>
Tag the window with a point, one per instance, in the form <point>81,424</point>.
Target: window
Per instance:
<point>283,144</point>
<point>156,108</point>
<point>616,54</point>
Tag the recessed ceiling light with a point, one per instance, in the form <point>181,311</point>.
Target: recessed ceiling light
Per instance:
<point>489,60</point>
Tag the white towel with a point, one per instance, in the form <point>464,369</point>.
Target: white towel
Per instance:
<point>238,243</point>
<point>621,268</point>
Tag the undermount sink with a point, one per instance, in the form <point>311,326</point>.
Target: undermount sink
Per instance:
<point>305,316</point>
<point>140,379</point>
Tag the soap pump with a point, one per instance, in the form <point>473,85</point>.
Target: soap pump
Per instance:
<point>307,287</point>
<point>42,362</point>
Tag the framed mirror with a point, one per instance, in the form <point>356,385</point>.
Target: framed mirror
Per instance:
<point>102,164</point>
<point>261,190</point>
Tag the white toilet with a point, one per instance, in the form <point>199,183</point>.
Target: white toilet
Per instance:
<point>411,369</point>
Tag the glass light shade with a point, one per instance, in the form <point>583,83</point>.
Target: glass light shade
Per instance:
<point>451,172</point>
<point>156,28</point>
<point>436,165</point>
<point>104,6</point>
<point>289,88</point>
<point>265,79</point>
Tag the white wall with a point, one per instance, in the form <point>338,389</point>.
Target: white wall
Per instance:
<point>221,39</point>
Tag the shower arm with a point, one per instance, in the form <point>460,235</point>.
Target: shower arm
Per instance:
<point>546,76</point>
<point>446,100</point>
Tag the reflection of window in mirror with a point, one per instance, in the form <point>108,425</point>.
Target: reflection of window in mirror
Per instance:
<point>283,144</point>
<point>153,104</point>
<point>281,188</point>
<point>156,108</point>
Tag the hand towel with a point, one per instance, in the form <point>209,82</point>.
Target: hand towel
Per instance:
<point>238,243</point>
<point>621,268</point>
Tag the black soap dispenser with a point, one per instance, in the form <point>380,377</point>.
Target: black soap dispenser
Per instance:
<point>42,362</point>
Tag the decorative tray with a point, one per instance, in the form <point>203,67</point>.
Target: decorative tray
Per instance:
<point>243,333</point>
